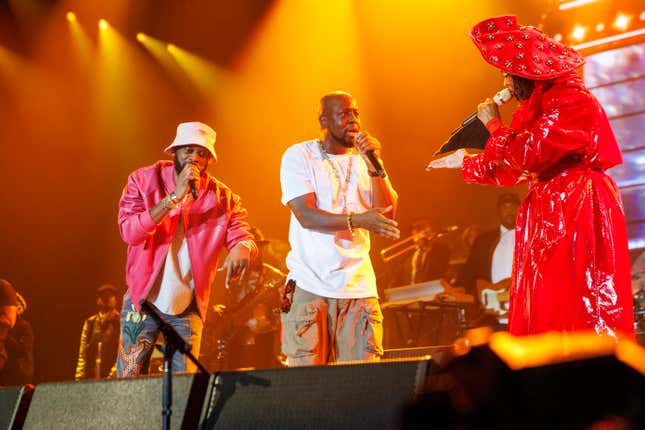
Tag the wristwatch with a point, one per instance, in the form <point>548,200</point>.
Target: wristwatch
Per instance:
<point>374,174</point>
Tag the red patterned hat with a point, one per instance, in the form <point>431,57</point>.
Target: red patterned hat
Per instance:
<point>522,50</point>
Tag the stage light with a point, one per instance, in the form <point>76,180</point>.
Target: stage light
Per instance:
<point>578,33</point>
<point>78,37</point>
<point>159,50</point>
<point>642,16</point>
<point>204,75</point>
<point>103,24</point>
<point>611,39</point>
<point>600,27</point>
<point>573,4</point>
<point>557,37</point>
<point>622,21</point>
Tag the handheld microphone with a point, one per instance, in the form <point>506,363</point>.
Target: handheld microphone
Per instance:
<point>501,98</point>
<point>193,190</point>
<point>375,162</point>
<point>191,184</point>
<point>371,155</point>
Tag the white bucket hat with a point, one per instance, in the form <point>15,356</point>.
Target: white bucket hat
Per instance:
<point>194,133</point>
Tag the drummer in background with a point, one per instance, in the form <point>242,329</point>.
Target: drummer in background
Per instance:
<point>247,328</point>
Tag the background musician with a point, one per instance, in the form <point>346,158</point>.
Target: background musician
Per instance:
<point>245,327</point>
<point>491,259</point>
<point>100,338</point>
<point>428,259</point>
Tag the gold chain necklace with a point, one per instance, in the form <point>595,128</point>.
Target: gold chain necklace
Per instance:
<point>342,188</point>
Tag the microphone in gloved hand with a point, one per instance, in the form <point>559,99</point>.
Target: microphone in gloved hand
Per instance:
<point>500,99</point>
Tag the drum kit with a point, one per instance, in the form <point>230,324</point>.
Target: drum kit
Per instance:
<point>245,332</point>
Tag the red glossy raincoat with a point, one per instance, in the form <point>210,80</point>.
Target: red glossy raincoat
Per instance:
<point>571,261</point>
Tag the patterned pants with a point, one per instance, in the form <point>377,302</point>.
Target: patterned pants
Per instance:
<point>139,332</point>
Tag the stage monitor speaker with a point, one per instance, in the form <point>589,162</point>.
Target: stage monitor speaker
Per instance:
<point>14,402</point>
<point>117,403</point>
<point>581,394</point>
<point>354,396</point>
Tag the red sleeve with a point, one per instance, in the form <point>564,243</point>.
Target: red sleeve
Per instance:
<point>555,125</point>
<point>238,228</point>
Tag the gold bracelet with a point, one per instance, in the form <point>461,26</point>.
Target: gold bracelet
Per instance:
<point>350,226</point>
<point>168,203</point>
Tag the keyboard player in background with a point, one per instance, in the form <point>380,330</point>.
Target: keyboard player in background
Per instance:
<point>420,263</point>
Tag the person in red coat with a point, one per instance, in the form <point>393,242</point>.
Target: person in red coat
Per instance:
<point>571,260</point>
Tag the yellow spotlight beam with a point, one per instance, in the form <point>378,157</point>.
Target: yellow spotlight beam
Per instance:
<point>293,51</point>
<point>121,79</point>
<point>80,40</point>
<point>158,50</point>
<point>205,75</point>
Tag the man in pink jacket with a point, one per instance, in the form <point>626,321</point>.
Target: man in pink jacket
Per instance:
<point>176,218</point>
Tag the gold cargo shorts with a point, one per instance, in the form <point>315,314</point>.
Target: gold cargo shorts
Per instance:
<point>318,330</point>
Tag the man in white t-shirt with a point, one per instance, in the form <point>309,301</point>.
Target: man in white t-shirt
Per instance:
<point>336,196</point>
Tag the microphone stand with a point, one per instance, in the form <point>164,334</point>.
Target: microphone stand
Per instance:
<point>172,342</point>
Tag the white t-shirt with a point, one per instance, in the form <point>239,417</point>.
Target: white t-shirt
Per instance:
<point>174,288</point>
<point>502,264</point>
<point>328,264</point>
